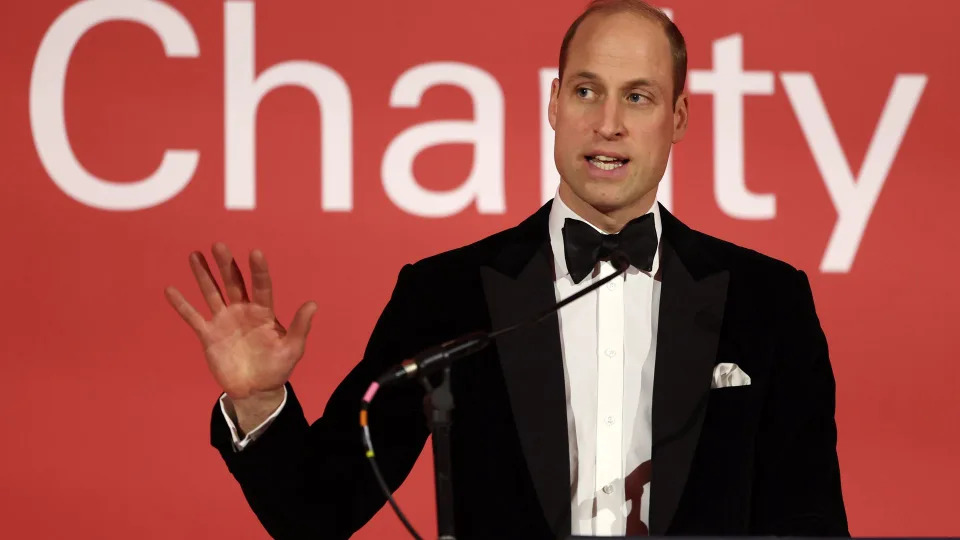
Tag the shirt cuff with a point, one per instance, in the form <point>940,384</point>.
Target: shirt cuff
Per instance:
<point>229,414</point>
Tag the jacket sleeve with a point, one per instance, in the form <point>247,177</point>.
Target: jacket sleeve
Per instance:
<point>797,489</point>
<point>314,480</point>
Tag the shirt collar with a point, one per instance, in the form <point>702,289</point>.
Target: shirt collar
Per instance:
<point>560,212</point>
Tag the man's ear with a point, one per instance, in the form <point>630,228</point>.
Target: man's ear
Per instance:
<point>552,106</point>
<point>680,116</point>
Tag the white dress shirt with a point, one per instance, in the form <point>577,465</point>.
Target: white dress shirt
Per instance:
<point>226,407</point>
<point>608,342</point>
<point>609,350</point>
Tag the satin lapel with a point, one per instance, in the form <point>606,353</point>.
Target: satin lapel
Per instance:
<point>532,366</point>
<point>691,312</point>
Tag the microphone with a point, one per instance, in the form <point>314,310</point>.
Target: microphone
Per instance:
<point>440,356</point>
<point>436,357</point>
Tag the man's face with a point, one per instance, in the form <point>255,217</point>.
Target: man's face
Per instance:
<point>614,115</point>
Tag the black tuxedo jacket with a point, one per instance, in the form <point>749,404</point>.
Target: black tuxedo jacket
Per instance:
<point>757,459</point>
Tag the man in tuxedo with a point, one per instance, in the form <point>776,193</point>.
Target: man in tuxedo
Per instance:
<point>691,395</point>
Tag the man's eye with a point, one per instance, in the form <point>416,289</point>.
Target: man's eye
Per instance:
<point>636,98</point>
<point>583,92</point>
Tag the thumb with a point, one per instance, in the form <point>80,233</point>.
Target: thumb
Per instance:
<point>300,326</point>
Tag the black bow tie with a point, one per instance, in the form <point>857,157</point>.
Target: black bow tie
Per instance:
<point>583,245</point>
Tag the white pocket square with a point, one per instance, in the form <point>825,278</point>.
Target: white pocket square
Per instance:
<point>726,375</point>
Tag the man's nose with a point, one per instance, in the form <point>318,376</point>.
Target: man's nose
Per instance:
<point>609,123</point>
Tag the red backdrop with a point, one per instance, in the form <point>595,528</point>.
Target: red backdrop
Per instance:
<point>845,117</point>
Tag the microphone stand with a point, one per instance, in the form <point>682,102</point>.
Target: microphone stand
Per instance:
<point>438,405</point>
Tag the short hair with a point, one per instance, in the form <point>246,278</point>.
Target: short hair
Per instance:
<point>678,46</point>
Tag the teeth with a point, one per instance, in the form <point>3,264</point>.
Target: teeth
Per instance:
<point>606,166</point>
<point>605,158</point>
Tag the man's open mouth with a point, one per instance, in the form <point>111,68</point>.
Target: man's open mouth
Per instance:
<point>606,163</point>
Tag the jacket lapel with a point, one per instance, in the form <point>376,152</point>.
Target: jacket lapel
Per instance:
<point>518,286</point>
<point>693,294</point>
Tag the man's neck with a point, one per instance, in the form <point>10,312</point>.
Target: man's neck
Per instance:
<point>611,221</point>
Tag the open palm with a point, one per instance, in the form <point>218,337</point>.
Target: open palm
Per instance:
<point>247,349</point>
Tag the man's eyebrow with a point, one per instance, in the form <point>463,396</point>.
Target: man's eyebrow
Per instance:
<point>639,82</point>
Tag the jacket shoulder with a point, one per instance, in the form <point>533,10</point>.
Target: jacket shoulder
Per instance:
<point>741,259</point>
